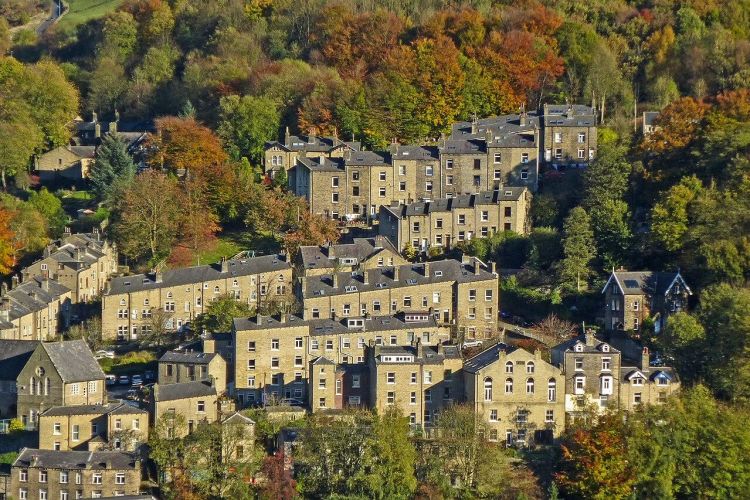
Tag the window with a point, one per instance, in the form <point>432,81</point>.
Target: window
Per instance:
<point>275,363</point>
<point>558,137</point>
<point>472,295</point>
<point>549,416</point>
<point>251,381</point>
<point>56,428</point>
<point>118,424</point>
<point>606,362</point>
<point>64,495</point>
<point>508,386</point>
<point>75,433</point>
<point>636,324</point>
<point>637,398</point>
<point>355,192</point>
<point>23,494</point>
<point>391,377</point>
<point>355,175</point>
<point>355,382</point>
<point>316,313</point>
<point>201,406</point>
<point>334,182</point>
<point>581,153</point>
<point>314,344</point>
<point>79,478</point>
<point>448,164</point>
<point>415,226</point>
<point>338,387</point>
<point>579,364</point>
<point>428,377</point>
<point>580,384</point>
<point>120,478</point>
<point>382,176</point>
<point>75,389</point>
<point>274,344</point>
<point>462,219</point>
<point>530,386</point>
<point>551,390</point>
<point>334,197</point>
<point>524,173</point>
<point>428,186</point>
<point>581,137</point>
<point>477,180</point>
<point>96,478</point>
<point>407,301</point>
<point>558,153</point>
<point>381,192</point>
<point>322,383</point>
<point>251,364</point>
<point>391,397</point>
<point>524,159</point>
<point>402,170</point>
<point>428,170</point>
<point>530,367</point>
<point>488,389</point>
<point>402,186</point>
<point>298,361</point>
<point>606,385</point>
<point>638,381</point>
<point>42,494</point>
<point>136,424</point>
<point>329,345</point>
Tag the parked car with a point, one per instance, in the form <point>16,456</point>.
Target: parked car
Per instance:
<point>132,394</point>
<point>292,402</point>
<point>137,380</point>
<point>124,379</point>
<point>110,379</point>
<point>102,353</point>
<point>471,343</point>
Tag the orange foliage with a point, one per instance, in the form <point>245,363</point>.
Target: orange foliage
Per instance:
<point>734,104</point>
<point>679,123</point>
<point>8,245</point>
<point>183,144</point>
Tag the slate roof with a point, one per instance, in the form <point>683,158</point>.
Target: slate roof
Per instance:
<point>366,158</point>
<point>559,115</point>
<point>73,360</point>
<point>649,117</point>
<point>183,390</point>
<point>650,373</point>
<point>499,125</point>
<point>97,460</point>
<point>238,418</point>
<point>333,326</point>
<point>568,345</point>
<point>442,271</point>
<point>114,408</point>
<point>313,144</point>
<point>322,164</point>
<point>198,274</point>
<point>317,257</point>
<point>425,355</point>
<point>460,201</point>
<point>32,295</point>
<point>14,354</point>
<point>644,282</point>
<point>410,152</point>
<point>486,357</point>
<point>463,146</point>
<point>197,358</point>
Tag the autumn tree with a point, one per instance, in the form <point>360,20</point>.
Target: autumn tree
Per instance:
<point>182,145</point>
<point>149,212</point>
<point>279,484</point>
<point>554,327</point>
<point>220,313</point>
<point>7,242</point>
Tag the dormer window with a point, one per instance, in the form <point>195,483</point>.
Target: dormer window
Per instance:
<point>579,348</point>
<point>605,348</point>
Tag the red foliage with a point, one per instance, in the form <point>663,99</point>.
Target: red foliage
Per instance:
<point>278,484</point>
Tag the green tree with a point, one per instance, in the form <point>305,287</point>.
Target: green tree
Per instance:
<point>392,475</point>
<point>610,222</point>
<point>246,123</point>
<point>220,313</point>
<point>51,209</point>
<point>578,248</point>
<point>280,180</point>
<point>669,217</point>
<point>684,340</point>
<point>606,178</point>
<point>113,169</point>
<point>5,41</point>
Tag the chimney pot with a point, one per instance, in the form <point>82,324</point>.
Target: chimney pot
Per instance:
<point>395,273</point>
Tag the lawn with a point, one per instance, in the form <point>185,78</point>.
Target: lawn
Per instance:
<point>232,242</point>
<point>85,10</point>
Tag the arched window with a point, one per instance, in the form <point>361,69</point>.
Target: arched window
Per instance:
<point>488,389</point>
<point>552,390</point>
<point>169,295</point>
<point>145,302</point>
<point>281,277</point>
<point>32,385</point>
<point>530,367</point>
<point>235,283</point>
<point>216,289</point>
<point>46,386</point>
<point>509,367</point>
<point>508,386</point>
<point>529,386</point>
<point>122,302</point>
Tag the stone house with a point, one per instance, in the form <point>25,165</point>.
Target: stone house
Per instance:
<point>66,475</point>
<point>274,354</point>
<point>519,395</point>
<point>116,425</point>
<point>129,302</point>
<point>196,401</point>
<point>592,373</point>
<point>238,436</point>
<point>65,163</point>
<point>59,374</point>
<point>362,253</point>
<point>444,222</point>
<point>37,309</point>
<point>632,297</point>
<point>420,380</point>
<point>334,386</point>
<point>188,366</point>
<point>83,262</point>
<point>642,383</point>
<point>285,154</point>
<point>416,173</point>
<point>648,122</point>
<point>569,135</point>
<point>462,295</point>
<point>14,354</point>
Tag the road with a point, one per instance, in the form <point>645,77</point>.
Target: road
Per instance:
<point>525,332</point>
<point>55,12</point>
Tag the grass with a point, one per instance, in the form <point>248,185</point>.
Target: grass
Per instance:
<point>232,242</point>
<point>85,10</point>
<point>132,362</point>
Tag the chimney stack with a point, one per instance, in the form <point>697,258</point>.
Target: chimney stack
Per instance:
<point>493,267</point>
<point>45,284</point>
<point>477,267</point>
<point>335,280</point>
<point>426,269</point>
<point>5,308</point>
<point>365,277</point>
<point>157,276</point>
<point>224,265</point>
<point>287,137</point>
<point>589,338</point>
<point>14,281</point>
<point>259,319</point>
<point>645,359</point>
<point>282,318</point>
<point>395,273</point>
<point>474,124</point>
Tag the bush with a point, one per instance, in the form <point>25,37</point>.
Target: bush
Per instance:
<point>16,426</point>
